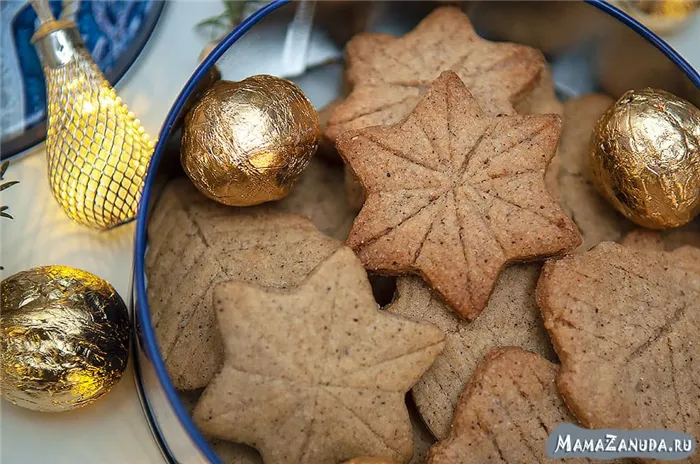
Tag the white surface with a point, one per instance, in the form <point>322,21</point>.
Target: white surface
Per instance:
<point>113,430</point>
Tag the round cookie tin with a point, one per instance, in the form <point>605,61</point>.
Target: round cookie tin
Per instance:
<point>287,39</point>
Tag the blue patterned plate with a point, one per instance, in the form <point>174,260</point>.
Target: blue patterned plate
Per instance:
<point>115,32</point>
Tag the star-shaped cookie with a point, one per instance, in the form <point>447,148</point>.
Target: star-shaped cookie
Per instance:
<point>390,74</point>
<point>624,322</point>
<point>316,374</point>
<point>454,194</point>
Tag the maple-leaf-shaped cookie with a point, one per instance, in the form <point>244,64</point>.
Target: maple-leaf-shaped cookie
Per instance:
<point>505,413</point>
<point>316,374</point>
<point>454,194</point>
<point>390,74</point>
<point>624,323</point>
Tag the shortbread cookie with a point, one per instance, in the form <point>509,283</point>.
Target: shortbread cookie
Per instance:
<point>320,195</point>
<point>372,460</point>
<point>506,412</point>
<point>228,452</point>
<point>511,318</point>
<point>643,239</point>
<point>422,438</point>
<point>455,194</point>
<point>315,374</point>
<point>326,147</point>
<point>353,190</point>
<point>391,74</point>
<point>543,98</point>
<point>687,235</point>
<point>595,218</point>
<point>624,323</point>
<point>193,244</point>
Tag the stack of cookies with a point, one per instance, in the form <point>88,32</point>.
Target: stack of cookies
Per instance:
<point>468,174</point>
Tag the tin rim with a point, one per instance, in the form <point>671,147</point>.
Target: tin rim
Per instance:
<point>142,310</point>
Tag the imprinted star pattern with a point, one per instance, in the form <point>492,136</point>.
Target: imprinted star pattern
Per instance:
<point>454,194</point>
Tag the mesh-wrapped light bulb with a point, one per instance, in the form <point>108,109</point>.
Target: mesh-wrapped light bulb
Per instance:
<point>97,151</point>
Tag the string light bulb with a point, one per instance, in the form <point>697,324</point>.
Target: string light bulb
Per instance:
<point>97,151</point>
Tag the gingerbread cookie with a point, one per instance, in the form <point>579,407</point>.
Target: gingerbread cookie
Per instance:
<point>228,452</point>
<point>668,240</point>
<point>326,147</point>
<point>422,438</point>
<point>624,323</point>
<point>506,412</point>
<point>594,216</point>
<point>320,195</point>
<point>193,244</point>
<point>391,74</point>
<point>543,98</point>
<point>643,239</point>
<point>455,194</point>
<point>511,318</point>
<point>315,374</point>
<point>372,460</point>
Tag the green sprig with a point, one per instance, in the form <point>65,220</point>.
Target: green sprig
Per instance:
<point>226,21</point>
<point>5,186</point>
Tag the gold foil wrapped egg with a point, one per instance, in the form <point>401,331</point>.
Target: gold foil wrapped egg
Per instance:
<point>64,338</point>
<point>246,142</point>
<point>645,158</point>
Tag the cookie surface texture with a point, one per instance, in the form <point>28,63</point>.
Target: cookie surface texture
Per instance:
<point>624,323</point>
<point>195,243</point>
<point>390,74</point>
<point>454,194</point>
<point>595,218</point>
<point>511,318</point>
<point>506,413</point>
<point>315,374</point>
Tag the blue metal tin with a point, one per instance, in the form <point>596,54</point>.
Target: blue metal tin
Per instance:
<point>248,50</point>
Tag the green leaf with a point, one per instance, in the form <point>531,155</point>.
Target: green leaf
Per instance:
<point>4,214</point>
<point>7,185</point>
<point>3,169</point>
<point>2,208</point>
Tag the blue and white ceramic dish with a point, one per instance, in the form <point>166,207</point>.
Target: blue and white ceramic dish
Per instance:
<point>115,32</point>
<point>258,46</point>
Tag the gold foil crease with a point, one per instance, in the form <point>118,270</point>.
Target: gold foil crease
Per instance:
<point>645,158</point>
<point>64,338</point>
<point>246,142</point>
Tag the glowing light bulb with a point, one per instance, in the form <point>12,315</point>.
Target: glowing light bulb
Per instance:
<point>97,151</point>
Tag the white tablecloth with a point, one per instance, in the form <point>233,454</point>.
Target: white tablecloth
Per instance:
<point>113,430</point>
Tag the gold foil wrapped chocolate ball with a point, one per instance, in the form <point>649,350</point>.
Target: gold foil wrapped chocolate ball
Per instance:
<point>246,142</point>
<point>645,158</point>
<point>64,338</point>
<point>661,16</point>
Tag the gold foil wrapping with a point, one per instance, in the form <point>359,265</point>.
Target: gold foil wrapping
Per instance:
<point>64,338</point>
<point>661,16</point>
<point>645,158</point>
<point>246,142</point>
